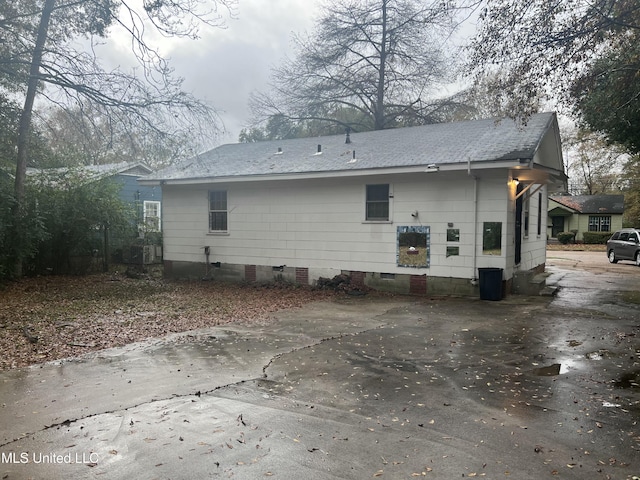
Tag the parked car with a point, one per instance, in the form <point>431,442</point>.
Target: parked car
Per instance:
<point>624,245</point>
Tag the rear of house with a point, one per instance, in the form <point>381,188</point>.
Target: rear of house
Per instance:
<point>416,210</point>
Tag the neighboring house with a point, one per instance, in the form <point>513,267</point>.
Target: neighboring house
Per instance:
<point>147,201</point>
<point>415,210</point>
<point>584,213</point>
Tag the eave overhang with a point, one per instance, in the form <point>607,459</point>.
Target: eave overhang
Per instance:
<point>540,173</point>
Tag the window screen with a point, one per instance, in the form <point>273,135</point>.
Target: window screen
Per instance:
<point>218,210</point>
<point>378,202</point>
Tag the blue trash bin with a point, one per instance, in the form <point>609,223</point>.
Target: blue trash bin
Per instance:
<point>490,283</point>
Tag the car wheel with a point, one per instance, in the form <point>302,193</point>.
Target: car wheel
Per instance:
<point>612,257</point>
<point>637,259</point>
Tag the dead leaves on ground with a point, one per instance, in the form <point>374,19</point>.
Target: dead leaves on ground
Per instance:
<point>69,316</point>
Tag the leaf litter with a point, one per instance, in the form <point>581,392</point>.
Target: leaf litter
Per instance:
<point>50,318</point>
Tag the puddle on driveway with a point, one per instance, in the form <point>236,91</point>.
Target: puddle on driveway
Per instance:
<point>556,369</point>
<point>628,380</point>
<point>548,371</point>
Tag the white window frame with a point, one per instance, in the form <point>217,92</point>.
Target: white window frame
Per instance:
<point>220,210</point>
<point>152,223</point>
<point>389,204</point>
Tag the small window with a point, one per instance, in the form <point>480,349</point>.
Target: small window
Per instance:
<point>453,251</point>
<point>377,202</point>
<point>453,235</point>
<point>151,216</point>
<point>218,211</point>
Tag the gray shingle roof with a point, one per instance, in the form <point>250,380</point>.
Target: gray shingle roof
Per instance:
<point>92,172</point>
<point>445,143</point>
<point>592,203</point>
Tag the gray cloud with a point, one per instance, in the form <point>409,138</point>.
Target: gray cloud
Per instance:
<point>226,65</point>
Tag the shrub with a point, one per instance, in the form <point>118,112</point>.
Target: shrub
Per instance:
<point>596,238</point>
<point>77,215</point>
<point>566,237</point>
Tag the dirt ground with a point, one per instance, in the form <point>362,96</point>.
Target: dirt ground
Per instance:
<point>49,318</point>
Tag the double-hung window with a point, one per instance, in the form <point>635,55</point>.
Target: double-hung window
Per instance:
<point>151,216</point>
<point>377,203</point>
<point>218,212</point>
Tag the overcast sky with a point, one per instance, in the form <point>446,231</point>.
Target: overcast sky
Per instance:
<point>226,64</point>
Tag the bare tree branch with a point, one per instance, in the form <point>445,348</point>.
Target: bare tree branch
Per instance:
<point>378,59</point>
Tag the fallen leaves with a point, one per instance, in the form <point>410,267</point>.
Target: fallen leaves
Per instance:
<point>50,318</point>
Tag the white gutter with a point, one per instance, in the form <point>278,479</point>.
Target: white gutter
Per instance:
<point>451,167</point>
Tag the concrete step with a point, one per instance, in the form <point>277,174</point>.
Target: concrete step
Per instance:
<point>526,283</point>
<point>549,291</point>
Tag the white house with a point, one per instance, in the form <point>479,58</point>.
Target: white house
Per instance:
<point>416,210</point>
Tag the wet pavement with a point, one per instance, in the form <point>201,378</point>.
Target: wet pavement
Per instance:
<point>356,387</point>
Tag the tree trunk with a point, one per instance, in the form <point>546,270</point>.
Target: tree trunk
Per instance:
<point>24,129</point>
<point>106,250</point>
<point>379,122</point>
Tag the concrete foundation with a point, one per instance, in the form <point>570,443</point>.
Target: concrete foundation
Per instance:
<point>406,284</point>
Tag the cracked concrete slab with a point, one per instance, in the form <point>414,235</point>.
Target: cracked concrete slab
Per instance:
<point>199,361</point>
<point>524,388</point>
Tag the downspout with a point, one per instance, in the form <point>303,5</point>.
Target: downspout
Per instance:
<point>206,262</point>
<point>474,278</point>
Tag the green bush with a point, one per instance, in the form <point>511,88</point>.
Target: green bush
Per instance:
<point>596,238</point>
<point>566,237</point>
<point>76,215</point>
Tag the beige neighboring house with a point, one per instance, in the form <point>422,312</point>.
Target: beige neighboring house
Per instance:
<point>584,213</point>
<point>417,210</point>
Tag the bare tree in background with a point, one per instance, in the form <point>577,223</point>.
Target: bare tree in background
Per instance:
<point>89,136</point>
<point>369,65</point>
<point>595,167</point>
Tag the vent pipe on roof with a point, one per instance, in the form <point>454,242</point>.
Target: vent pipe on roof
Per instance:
<point>279,152</point>
<point>319,150</point>
<point>348,132</point>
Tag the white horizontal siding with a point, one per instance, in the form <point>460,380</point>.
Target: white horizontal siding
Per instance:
<point>320,223</point>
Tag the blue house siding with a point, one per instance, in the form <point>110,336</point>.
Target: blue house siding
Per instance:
<point>133,192</point>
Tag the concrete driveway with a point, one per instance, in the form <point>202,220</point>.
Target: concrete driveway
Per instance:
<point>356,387</point>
